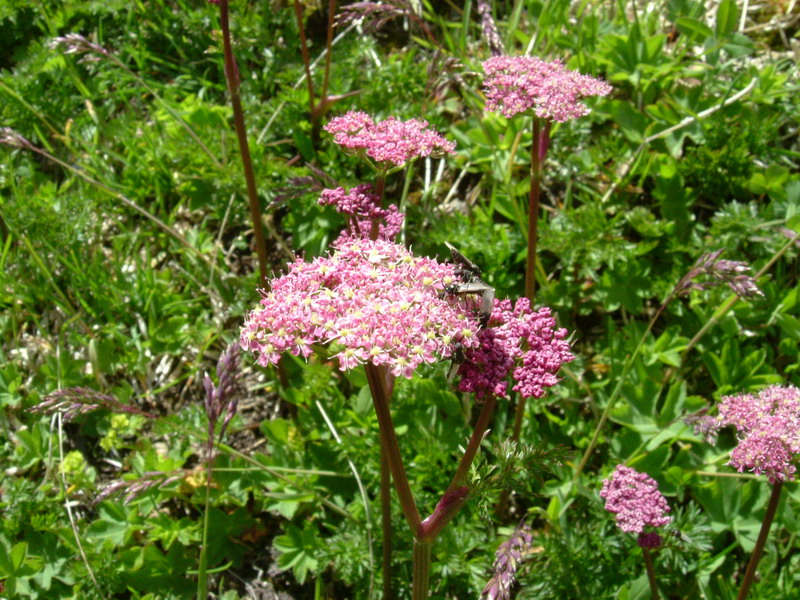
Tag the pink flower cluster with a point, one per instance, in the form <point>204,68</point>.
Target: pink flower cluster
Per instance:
<point>635,500</point>
<point>516,84</point>
<point>388,141</point>
<point>372,301</point>
<point>362,206</point>
<point>517,341</point>
<point>768,429</point>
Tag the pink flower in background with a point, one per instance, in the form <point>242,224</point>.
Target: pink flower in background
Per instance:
<point>371,301</point>
<point>516,84</point>
<point>390,141</point>
<point>518,341</point>
<point>767,427</point>
<point>635,500</point>
<point>362,206</point>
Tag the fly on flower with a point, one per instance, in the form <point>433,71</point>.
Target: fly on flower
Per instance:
<point>471,283</point>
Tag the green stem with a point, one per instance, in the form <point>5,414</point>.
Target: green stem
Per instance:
<point>758,550</point>
<point>422,571</point>
<point>380,185</point>
<point>377,385</point>
<point>533,210</point>
<point>651,574</point>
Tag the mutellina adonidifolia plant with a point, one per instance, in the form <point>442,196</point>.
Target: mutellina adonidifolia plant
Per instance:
<point>373,303</point>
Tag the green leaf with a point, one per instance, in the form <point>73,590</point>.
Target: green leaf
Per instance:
<point>739,45</point>
<point>112,525</point>
<point>696,31</point>
<point>298,548</point>
<point>727,18</point>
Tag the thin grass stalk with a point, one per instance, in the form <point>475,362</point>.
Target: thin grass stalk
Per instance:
<point>651,574</point>
<point>421,578</point>
<point>614,395</point>
<point>202,569</point>
<point>232,75</point>
<point>731,301</point>
<point>758,550</point>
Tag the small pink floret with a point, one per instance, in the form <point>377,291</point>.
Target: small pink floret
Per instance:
<point>517,84</point>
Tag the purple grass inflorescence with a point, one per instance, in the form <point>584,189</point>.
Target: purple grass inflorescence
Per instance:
<point>507,560</point>
<point>391,142</point>
<point>767,427</point>
<point>517,84</point>
<point>635,500</point>
<point>733,273</point>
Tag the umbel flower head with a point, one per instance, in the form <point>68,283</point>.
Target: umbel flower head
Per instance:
<point>519,341</point>
<point>767,428</point>
<point>388,142</point>
<point>517,84</point>
<point>371,301</point>
<point>635,500</point>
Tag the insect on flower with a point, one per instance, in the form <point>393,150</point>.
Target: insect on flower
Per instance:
<point>471,283</point>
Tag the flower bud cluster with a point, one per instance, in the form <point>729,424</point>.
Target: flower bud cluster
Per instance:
<point>362,206</point>
<point>519,341</point>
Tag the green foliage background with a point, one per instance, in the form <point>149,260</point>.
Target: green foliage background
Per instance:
<point>94,294</point>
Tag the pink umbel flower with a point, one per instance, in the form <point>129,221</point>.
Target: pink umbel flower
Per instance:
<point>362,206</point>
<point>520,342</point>
<point>370,301</point>
<point>635,500</point>
<point>767,427</point>
<point>390,142</point>
<point>517,84</point>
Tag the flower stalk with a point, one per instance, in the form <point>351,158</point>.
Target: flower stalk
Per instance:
<point>758,550</point>
<point>232,76</point>
<point>651,574</point>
